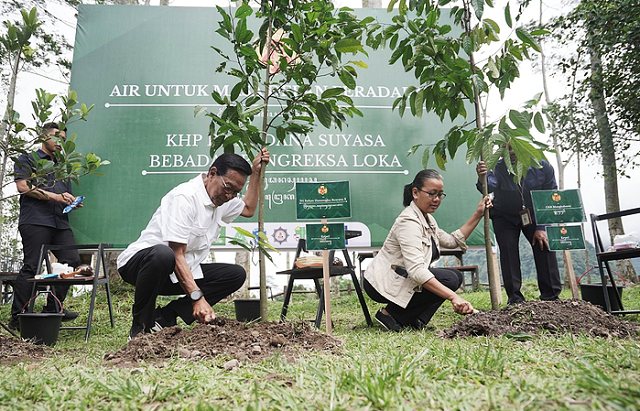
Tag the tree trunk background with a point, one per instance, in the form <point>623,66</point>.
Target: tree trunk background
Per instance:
<point>609,167</point>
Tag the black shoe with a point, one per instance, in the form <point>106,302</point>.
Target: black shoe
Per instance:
<point>161,321</point>
<point>68,315</point>
<point>14,324</point>
<point>387,321</point>
<point>420,325</point>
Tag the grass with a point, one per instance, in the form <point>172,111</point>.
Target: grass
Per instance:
<point>376,371</point>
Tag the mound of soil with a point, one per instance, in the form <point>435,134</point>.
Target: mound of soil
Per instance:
<point>14,350</point>
<point>534,317</point>
<point>236,340</point>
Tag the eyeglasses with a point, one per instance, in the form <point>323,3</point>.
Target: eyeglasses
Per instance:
<point>433,195</point>
<point>228,189</point>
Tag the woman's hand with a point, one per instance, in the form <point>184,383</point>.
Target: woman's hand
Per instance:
<point>462,306</point>
<point>484,204</point>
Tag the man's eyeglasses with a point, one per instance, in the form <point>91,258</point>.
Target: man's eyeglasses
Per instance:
<point>227,189</point>
<point>433,195</point>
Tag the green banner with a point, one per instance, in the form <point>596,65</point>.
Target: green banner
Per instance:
<point>325,236</point>
<point>323,200</point>
<point>565,237</point>
<point>146,68</point>
<point>557,206</point>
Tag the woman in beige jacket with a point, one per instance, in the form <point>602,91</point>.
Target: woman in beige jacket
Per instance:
<point>400,274</point>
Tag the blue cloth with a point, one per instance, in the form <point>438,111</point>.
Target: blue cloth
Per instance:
<point>507,201</point>
<point>39,212</point>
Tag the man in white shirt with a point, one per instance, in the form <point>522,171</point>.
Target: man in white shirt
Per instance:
<point>167,257</point>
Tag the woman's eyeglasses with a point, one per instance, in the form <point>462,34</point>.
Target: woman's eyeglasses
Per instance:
<point>433,195</point>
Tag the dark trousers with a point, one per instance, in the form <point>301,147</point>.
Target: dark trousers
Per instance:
<point>508,238</point>
<point>149,269</point>
<point>423,305</point>
<point>33,237</point>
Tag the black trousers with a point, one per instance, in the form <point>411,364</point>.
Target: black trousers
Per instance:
<point>423,305</point>
<point>508,236</point>
<point>33,237</point>
<point>149,269</point>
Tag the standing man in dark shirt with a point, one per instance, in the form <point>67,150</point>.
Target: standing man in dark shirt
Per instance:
<point>42,222</point>
<point>511,214</point>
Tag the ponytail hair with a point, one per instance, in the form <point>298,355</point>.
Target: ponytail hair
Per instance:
<point>418,182</point>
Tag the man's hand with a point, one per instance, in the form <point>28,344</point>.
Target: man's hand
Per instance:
<point>540,237</point>
<point>263,155</point>
<point>66,198</point>
<point>481,169</point>
<point>462,306</point>
<point>203,312</point>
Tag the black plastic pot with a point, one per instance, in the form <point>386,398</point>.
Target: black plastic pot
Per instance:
<point>42,328</point>
<point>247,309</point>
<point>593,293</point>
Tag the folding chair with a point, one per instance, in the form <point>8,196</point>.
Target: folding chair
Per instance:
<point>93,281</point>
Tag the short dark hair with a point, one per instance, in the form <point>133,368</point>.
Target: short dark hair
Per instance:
<point>418,182</point>
<point>52,126</point>
<point>227,161</point>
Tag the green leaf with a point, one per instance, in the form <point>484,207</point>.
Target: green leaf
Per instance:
<point>519,120</point>
<point>507,15</point>
<point>347,79</point>
<point>297,32</point>
<point>413,149</point>
<point>417,103</point>
<point>359,63</point>
<point>425,157</point>
<point>332,92</point>
<point>348,45</point>
<point>324,114</point>
<point>243,11</point>
<point>478,7</point>
<point>526,38</point>
<point>197,110</point>
<point>538,121</point>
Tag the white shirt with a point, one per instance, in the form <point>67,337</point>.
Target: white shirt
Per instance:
<point>187,216</point>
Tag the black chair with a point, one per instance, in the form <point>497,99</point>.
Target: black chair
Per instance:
<point>93,281</point>
<point>316,273</point>
<point>604,257</point>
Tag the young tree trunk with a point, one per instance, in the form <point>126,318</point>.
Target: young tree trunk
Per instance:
<point>609,168</point>
<point>492,272</point>
<point>264,312</point>
<point>4,130</point>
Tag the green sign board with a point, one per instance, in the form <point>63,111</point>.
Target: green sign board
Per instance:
<point>557,206</point>
<point>325,236</point>
<point>146,68</point>
<point>568,237</point>
<point>329,199</point>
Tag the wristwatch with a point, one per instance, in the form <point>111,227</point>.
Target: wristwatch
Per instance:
<point>195,295</point>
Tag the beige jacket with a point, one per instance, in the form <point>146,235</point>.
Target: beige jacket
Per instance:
<point>409,246</point>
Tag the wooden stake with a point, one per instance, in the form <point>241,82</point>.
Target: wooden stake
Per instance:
<point>327,286</point>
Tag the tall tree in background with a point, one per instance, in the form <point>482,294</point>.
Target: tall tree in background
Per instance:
<point>601,117</point>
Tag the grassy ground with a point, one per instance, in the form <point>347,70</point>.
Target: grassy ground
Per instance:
<point>377,370</point>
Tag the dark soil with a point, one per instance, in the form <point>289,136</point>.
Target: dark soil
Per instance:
<point>535,317</point>
<point>236,342</point>
<point>14,350</point>
<point>231,339</point>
